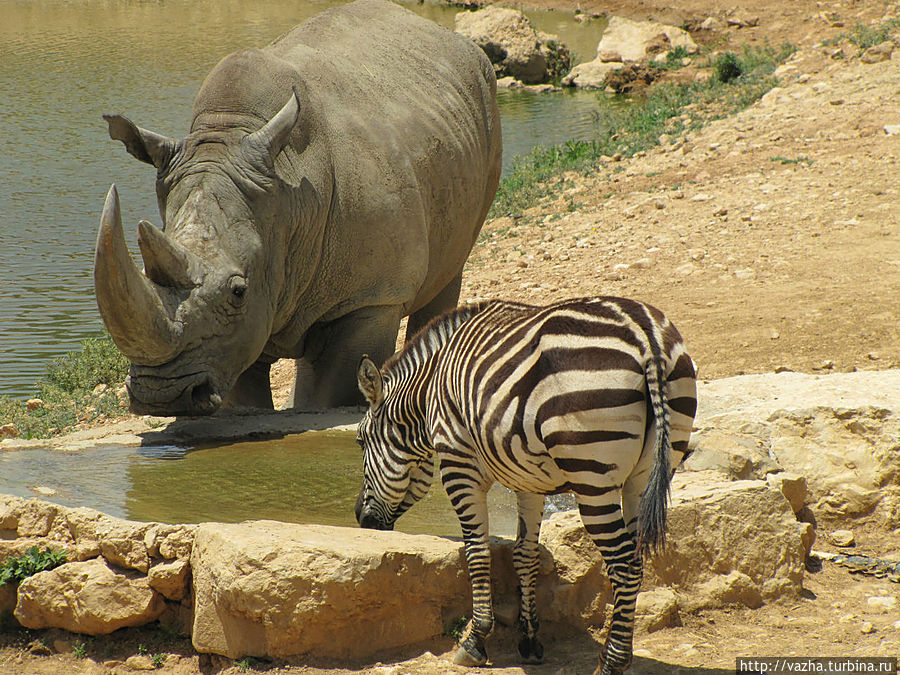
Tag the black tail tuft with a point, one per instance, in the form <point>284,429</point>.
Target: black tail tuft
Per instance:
<point>654,501</point>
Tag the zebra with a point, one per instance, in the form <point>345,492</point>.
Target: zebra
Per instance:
<point>592,396</point>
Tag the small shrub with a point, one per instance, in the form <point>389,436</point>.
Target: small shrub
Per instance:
<point>869,36</point>
<point>727,67</point>
<point>79,650</point>
<point>158,660</point>
<point>244,665</point>
<point>16,570</point>
<point>67,391</point>
<point>456,627</point>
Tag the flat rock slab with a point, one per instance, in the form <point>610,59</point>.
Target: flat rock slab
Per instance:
<point>757,397</point>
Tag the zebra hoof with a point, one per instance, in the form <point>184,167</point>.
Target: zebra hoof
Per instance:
<point>531,650</point>
<point>606,669</point>
<point>469,655</point>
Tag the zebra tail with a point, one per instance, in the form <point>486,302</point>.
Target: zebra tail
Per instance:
<point>652,512</point>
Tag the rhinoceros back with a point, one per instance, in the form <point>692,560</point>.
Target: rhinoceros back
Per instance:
<point>399,120</point>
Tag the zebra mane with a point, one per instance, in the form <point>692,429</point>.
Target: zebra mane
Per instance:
<point>435,334</point>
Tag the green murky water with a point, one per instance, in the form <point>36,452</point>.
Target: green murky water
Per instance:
<point>306,478</point>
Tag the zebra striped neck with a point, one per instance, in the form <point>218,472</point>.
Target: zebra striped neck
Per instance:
<point>428,341</point>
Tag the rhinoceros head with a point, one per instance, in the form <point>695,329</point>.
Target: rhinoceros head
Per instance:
<point>201,311</point>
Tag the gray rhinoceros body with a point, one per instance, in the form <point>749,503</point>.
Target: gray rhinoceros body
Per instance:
<point>306,229</point>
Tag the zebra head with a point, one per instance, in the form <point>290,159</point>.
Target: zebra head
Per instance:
<point>398,465</point>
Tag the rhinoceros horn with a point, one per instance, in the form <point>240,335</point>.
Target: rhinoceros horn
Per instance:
<point>166,262</point>
<point>131,305</point>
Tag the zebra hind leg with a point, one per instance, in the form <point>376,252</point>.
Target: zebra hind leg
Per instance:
<point>603,519</point>
<point>526,560</point>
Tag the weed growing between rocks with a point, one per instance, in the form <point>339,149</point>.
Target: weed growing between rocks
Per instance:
<point>17,569</point>
<point>79,388</point>
<point>669,108</point>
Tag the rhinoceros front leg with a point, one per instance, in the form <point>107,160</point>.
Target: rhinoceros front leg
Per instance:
<point>326,375</point>
<point>252,388</point>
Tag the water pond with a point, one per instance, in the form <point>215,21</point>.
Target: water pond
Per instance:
<point>312,477</point>
<point>64,64</point>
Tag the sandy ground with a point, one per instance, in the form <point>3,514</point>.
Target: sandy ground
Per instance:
<point>771,239</point>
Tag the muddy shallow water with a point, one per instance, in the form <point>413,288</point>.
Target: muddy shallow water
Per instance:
<point>312,477</point>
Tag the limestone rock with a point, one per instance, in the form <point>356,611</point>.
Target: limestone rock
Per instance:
<point>657,609</point>
<point>512,44</point>
<point>849,456</point>
<point>640,40</point>
<point>792,486</point>
<point>590,75</point>
<point>734,588</point>
<point>878,53</point>
<point>170,579</point>
<point>718,527</point>
<point>272,589</point>
<point>87,597</point>
<point>738,455</point>
<point>842,538</point>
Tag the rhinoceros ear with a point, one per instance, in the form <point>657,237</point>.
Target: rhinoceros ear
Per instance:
<point>370,381</point>
<point>271,138</point>
<point>146,146</point>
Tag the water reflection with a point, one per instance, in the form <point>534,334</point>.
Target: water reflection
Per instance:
<point>306,478</point>
<point>63,64</point>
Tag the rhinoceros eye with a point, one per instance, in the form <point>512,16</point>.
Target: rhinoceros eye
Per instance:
<point>238,290</point>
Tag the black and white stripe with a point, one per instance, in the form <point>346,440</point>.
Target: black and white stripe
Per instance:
<point>590,396</point>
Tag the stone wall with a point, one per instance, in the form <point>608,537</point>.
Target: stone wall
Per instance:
<point>270,589</point>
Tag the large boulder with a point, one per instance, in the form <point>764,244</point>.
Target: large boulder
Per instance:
<point>513,45</point>
<point>727,541</point>
<point>271,589</point>
<point>745,531</point>
<point>625,43</point>
<point>87,597</point>
<point>840,431</point>
<point>641,40</point>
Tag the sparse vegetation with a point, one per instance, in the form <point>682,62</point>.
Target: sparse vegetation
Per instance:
<point>669,108</point>
<point>868,36</point>
<point>17,569</point>
<point>79,650</point>
<point>244,665</point>
<point>456,627</point>
<point>69,393</point>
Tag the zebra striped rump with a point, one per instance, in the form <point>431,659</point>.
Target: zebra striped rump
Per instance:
<point>592,396</point>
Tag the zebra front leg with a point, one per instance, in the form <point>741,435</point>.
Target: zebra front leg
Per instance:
<point>526,560</point>
<point>602,517</point>
<point>470,503</point>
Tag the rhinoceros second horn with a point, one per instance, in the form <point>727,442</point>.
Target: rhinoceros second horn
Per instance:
<point>166,262</point>
<point>131,306</point>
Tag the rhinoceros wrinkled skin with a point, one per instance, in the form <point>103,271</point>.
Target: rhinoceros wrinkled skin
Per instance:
<point>304,229</point>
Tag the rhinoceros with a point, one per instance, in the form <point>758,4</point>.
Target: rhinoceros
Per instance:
<point>303,229</point>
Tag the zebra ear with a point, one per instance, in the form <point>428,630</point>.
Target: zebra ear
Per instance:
<point>370,383</point>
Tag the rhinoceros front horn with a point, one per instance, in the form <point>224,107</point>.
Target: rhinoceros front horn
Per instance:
<point>131,305</point>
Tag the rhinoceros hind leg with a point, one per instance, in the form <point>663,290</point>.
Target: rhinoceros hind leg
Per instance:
<point>444,300</point>
<point>326,375</point>
<point>252,388</point>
